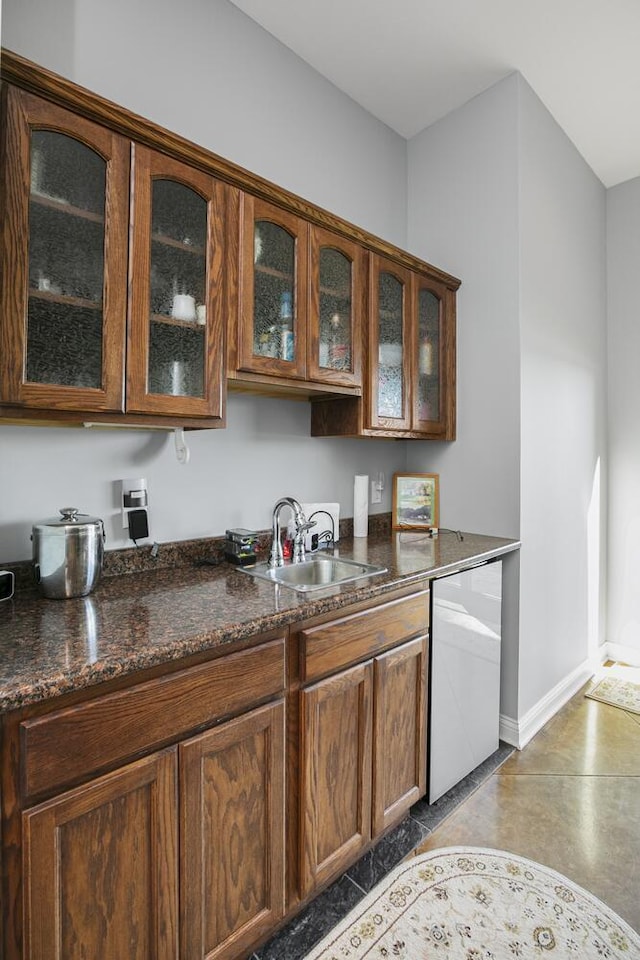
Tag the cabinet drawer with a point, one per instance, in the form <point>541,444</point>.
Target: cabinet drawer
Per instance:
<point>73,743</point>
<point>334,645</point>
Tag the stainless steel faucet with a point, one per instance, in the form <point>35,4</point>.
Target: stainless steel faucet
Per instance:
<point>276,558</point>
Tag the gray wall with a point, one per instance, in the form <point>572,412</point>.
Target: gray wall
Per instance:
<point>207,71</point>
<point>499,196</point>
<point>563,404</point>
<point>623,264</point>
<point>463,215</point>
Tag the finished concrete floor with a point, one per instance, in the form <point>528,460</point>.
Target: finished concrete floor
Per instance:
<point>570,800</point>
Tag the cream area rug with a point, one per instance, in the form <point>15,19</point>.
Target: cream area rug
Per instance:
<point>619,686</point>
<point>468,903</point>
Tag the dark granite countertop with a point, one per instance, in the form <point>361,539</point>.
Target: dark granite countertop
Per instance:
<point>138,620</point>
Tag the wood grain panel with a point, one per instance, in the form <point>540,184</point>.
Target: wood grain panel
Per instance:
<point>70,744</point>
<point>101,869</point>
<point>335,774</point>
<point>232,826</point>
<point>333,645</point>
<point>399,732</point>
<point>333,417</point>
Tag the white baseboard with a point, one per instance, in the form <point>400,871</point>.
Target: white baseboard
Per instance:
<point>617,651</point>
<point>519,732</point>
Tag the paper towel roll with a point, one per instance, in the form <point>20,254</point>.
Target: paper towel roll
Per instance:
<point>361,505</point>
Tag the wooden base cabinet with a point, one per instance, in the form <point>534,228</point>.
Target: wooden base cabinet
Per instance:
<point>399,732</point>
<point>101,867</point>
<point>363,757</point>
<point>101,862</point>
<point>175,855</point>
<point>147,821</point>
<point>336,773</point>
<point>232,823</point>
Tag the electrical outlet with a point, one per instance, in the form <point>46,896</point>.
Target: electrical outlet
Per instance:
<point>133,496</point>
<point>377,486</point>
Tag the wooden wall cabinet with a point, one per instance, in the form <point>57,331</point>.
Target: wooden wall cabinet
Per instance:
<point>410,386</point>
<point>176,278</point>
<point>142,273</point>
<point>362,732</point>
<point>301,302</point>
<point>63,295</point>
<point>72,338</point>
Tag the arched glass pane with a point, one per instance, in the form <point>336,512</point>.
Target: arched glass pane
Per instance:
<point>66,262</point>
<point>428,356</point>
<point>177,290</point>
<point>335,310</point>
<point>390,346</point>
<point>274,307</point>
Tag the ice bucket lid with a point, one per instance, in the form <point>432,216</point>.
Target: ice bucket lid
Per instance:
<point>70,522</point>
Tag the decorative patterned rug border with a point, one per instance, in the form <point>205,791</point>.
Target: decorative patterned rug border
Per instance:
<point>392,906</point>
<point>617,693</point>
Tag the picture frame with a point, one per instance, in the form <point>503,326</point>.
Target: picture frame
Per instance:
<point>416,501</point>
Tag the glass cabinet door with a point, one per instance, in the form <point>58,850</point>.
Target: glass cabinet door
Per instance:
<point>428,382</point>
<point>336,311</point>
<point>389,352</point>
<point>272,329</point>
<point>68,319</point>
<point>175,356</point>
<point>430,377</point>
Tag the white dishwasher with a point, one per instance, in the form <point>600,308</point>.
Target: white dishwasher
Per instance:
<point>466,611</point>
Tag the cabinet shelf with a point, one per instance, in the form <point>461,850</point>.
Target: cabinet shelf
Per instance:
<point>343,293</point>
<point>167,241</point>
<point>63,206</point>
<point>165,320</point>
<point>67,300</point>
<point>273,272</point>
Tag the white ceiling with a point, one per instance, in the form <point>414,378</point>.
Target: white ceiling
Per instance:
<point>409,62</point>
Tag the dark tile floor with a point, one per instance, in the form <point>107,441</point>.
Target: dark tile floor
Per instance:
<point>295,940</point>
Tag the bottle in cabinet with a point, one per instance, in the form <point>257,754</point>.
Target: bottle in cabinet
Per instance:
<point>338,353</point>
<point>287,348</point>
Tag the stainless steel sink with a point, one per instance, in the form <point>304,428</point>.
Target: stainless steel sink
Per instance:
<point>316,573</point>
